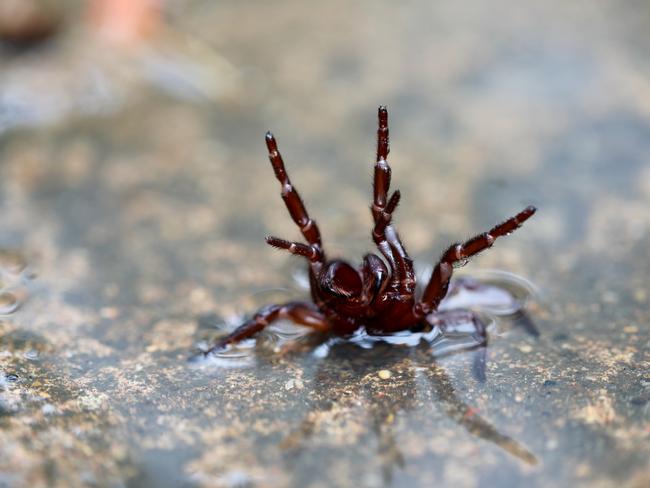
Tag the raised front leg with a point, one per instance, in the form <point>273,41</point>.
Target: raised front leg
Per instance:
<point>384,234</point>
<point>292,200</point>
<point>437,287</point>
<point>300,312</point>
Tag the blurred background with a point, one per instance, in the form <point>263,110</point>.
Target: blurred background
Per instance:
<point>135,194</point>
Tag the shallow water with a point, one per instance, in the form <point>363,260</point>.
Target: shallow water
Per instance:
<point>135,194</point>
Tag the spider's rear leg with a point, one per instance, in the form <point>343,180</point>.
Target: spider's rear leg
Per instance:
<point>291,197</point>
<point>384,235</point>
<point>438,284</point>
<point>303,313</point>
<point>457,322</point>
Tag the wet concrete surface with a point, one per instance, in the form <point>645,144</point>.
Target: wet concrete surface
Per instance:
<point>135,194</point>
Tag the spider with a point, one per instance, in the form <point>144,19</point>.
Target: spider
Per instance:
<point>378,295</point>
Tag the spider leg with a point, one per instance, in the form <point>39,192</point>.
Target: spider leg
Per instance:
<point>438,284</point>
<point>382,169</point>
<point>384,234</point>
<point>300,312</point>
<point>388,243</point>
<point>291,197</point>
<point>313,252</point>
<point>456,322</point>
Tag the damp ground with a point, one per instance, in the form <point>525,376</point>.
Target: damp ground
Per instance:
<point>135,194</point>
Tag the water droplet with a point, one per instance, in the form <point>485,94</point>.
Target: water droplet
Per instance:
<point>12,261</point>
<point>32,355</point>
<point>241,355</point>
<point>48,409</point>
<point>8,303</point>
<point>236,479</point>
<point>322,351</point>
<point>283,331</point>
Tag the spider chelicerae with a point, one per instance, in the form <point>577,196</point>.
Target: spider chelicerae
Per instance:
<point>380,295</point>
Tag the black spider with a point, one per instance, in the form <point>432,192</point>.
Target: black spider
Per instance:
<point>378,296</point>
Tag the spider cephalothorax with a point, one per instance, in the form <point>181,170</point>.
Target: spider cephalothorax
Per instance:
<point>380,295</point>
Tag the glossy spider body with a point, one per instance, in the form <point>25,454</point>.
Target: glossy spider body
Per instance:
<point>380,295</point>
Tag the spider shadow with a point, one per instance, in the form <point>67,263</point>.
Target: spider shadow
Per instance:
<point>386,381</point>
<point>351,373</point>
<point>523,321</point>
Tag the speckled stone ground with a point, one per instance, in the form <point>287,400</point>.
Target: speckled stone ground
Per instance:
<point>135,193</point>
